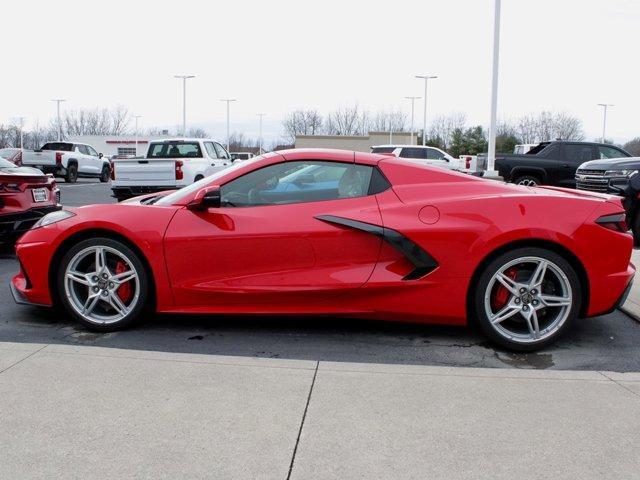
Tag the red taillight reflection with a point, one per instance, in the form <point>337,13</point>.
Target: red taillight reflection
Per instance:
<point>179,172</point>
<point>59,158</point>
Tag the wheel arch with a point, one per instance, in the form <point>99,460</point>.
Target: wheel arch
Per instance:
<point>539,173</point>
<point>93,233</point>
<point>567,254</point>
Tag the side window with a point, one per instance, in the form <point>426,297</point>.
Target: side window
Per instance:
<point>411,152</point>
<point>433,154</point>
<point>211,151</point>
<point>576,153</point>
<point>298,182</point>
<point>610,152</point>
<point>83,149</point>
<point>222,153</point>
<point>92,151</point>
<point>551,151</point>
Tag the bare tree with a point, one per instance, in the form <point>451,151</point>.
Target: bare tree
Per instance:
<point>197,133</point>
<point>443,126</point>
<point>347,121</point>
<point>301,122</point>
<point>633,147</point>
<point>99,121</point>
<point>544,126</point>
<point>389,120</point>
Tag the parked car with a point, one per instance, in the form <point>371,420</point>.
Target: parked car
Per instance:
<point>553,163</point>
<point>424,154</point>
<point>69,161</point>
<point>14,155</point>
<point>613,176</point>
<point>26,195</point>
<point>168,165</point>
<point>241,156</point>
<point>385,244</point>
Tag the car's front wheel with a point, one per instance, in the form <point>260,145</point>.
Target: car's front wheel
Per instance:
<point>106,173</point>
<point>103,284</point>
<point>526,298</point>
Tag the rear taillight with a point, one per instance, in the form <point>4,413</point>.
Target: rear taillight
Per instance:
<point>616,222</point>
<point>179,172</point>
<point>58,158</point>
<point>113,170</point>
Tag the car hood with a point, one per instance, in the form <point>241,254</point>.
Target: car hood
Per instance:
<point>21,172</point>
<point>612,164</point>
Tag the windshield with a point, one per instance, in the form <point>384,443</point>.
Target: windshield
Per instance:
<point>194,187</point>
<point>6,164</point>
<point>538,148</point>
<point>177,149</point>
<point>7,152</point>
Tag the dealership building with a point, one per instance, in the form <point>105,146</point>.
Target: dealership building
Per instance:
<point>110,145</point>
<point>359,143</point>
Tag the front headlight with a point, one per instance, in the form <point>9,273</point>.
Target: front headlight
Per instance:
<point>620,173</point>
<point>53,217</point>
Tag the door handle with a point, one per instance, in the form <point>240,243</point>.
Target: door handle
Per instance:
<point>565,165</point>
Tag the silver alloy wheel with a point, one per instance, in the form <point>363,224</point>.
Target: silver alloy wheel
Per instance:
<point>91,284</point>
<point>528,183</point>
<point>531,312</point>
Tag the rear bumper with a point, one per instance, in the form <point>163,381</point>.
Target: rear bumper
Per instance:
<point>122,193</point>
<point>13,225</point>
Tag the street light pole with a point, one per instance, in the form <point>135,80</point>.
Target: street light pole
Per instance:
<point>413,100</point>
<point>21,129</point>
<point>491,157</point>
<point>228,100</point>
<point>424,121</point>
<point>58,102</point>
<point>260,115</point>
<point>137,117</point>
<point>604,120</point>
<point>184,101</point>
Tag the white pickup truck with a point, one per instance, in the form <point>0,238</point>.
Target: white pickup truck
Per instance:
<point>68,160</point>
<point>168,165</point>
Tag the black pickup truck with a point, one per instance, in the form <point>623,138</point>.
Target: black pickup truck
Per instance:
<point>553,163</point>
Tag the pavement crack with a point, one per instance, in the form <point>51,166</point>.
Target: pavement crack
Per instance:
<point>23,359</point>
<point>619,384</point>
<point>304,416</point>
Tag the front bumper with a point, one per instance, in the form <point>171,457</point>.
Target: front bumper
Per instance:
<point>13,225</point>
<point>20,298</point>
<point>122,193</point>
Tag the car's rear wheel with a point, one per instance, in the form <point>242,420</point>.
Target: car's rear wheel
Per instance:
<point>103,284</point>
<point>106,173</point>
<point>527,298</point>
<point>72,173</point>
<point>527,181</point>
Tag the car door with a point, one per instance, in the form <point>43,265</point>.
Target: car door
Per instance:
<point>94,159</point>
<point>573,155</point>
<point>436,158</point>
<point>84,162</point>
<point>273,245</point>
<point>212,158</point>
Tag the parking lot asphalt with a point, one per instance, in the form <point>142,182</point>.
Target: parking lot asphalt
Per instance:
<point>610,342</point>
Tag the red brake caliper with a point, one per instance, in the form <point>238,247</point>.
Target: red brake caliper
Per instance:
<point>124,292</point>
<point>501,295</point>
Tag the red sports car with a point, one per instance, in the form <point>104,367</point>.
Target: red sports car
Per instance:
<point>26,195</point>
<point>319,232</point>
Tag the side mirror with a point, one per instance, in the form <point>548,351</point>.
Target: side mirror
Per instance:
<point>206,198</point>
<point>619,186</point>
<point>100,155</point>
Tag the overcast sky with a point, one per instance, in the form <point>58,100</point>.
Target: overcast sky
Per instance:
<point>276,56</point>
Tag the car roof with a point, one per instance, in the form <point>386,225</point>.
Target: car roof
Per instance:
<point>182,139</point>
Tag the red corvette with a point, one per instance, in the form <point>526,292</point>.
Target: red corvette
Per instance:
<point>26,195</point>
<point>342,233</point>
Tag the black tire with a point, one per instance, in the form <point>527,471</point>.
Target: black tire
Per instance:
<point>483,284</point>
<point>635,228</point>
<point>137,311</point>
<point>106,174</point>
<point>72,173</point>
<point>527,180</point>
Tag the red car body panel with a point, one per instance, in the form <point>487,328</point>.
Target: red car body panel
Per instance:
<point>282,259</point>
